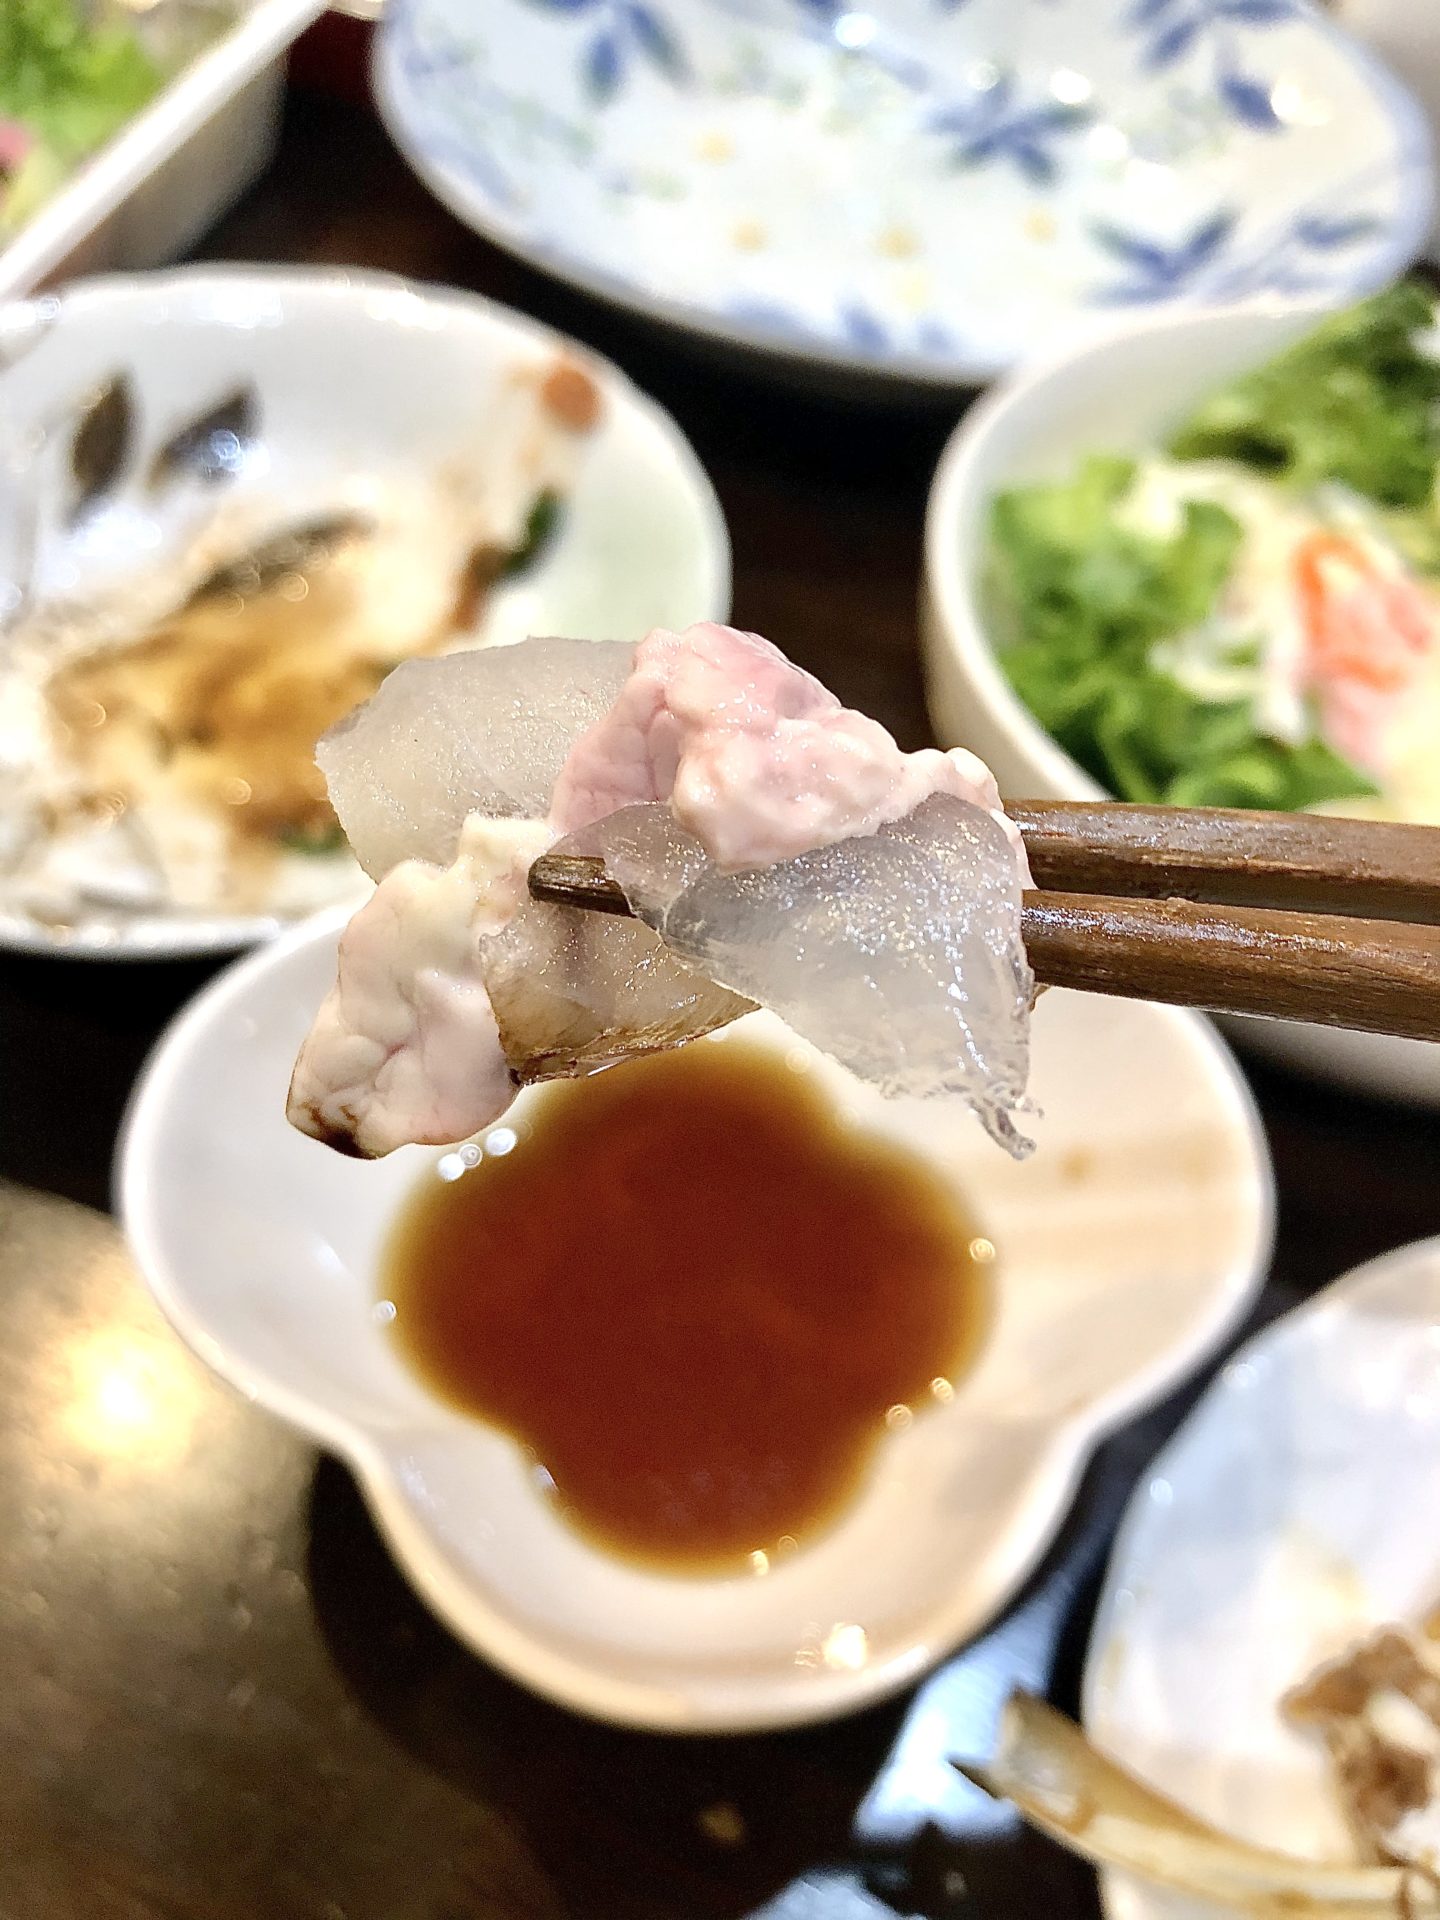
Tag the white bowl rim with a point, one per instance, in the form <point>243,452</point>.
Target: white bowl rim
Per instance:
<point>1405,240</point>
<point>220,933</point>
<point>958,641</point>
<point>954,588</point>
<point>527,1657</point>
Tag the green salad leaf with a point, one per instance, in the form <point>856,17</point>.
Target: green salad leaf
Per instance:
<point>70,82</point>
<point>541,525</point>
<point>1356,401</point>
<point>1087,597</point>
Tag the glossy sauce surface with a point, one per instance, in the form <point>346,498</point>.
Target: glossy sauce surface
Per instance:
<point>695,1295</point>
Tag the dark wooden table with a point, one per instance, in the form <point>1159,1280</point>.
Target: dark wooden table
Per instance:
<point>218,1699</point>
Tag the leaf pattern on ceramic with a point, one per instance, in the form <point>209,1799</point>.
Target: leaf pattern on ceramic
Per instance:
<point>863,328</point>
<point>1161,270</point>
<point>995,124</point>
<point>623,30</point>
<point>655,39</point>
<point>1301,261</point>
<point>1172,31</point>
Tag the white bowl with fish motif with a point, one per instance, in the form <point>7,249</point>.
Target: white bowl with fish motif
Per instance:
<point>369,394</point>
<point>932,189</point>
<point>1288,1518</point>
<point>1128,1246</point>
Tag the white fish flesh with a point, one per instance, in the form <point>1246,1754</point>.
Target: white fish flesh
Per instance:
<point>776,847</point>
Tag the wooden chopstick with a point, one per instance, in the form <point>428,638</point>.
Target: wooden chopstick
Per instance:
<point>1375,869</point>
<point>1378,976</point>
<point>1180,905</point>
<point>577,880</point>
<point>1329,970</point>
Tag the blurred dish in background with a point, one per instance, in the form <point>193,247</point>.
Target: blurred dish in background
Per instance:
<point>126,129</point>
<point>1407,35</point>
<point>196,591</point>
<point>930,192</point>
<point>1284,1524</point>
<point>1251,618</point>
<point>72,74</point>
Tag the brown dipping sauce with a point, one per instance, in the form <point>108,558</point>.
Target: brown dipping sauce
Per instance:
<point>695,1296</point>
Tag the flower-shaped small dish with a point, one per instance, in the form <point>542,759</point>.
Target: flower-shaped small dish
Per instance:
<point>1125,1248</point>
<point>1289,1518</point>
<point>932,189</point>
<point>230,501</point>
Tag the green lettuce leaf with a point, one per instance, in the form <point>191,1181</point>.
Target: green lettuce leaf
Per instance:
<point>1357,401</point>
<point>71,83</point>
<point>1086,598</point>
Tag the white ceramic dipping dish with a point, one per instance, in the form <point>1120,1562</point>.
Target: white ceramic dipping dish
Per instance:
<point>1289,1516</point>
<point>1129,1245</point>
<point>359,378</point>
<point>1119,392</point>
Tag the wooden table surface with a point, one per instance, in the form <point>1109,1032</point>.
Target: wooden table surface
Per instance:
<point>218,1698</point>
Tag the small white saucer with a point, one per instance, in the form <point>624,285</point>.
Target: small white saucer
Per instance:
<point>1128,1246</point>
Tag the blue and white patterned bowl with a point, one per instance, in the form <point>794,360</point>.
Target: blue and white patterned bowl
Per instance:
<point>936,189</point>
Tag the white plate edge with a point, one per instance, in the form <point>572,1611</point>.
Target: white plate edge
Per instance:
<point>1343,1290</point>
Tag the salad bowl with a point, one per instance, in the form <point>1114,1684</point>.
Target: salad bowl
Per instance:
<point>1121,394</point>
<point>130,168</point>
<point>931,190</point>
<point>267,1252</point>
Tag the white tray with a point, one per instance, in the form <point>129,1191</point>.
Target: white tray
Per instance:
<point>172,170</point>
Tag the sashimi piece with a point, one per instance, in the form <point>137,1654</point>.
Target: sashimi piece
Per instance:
<point>436,1018</point>
<point>486,731</point>
<point>776,847</point>
<point>898,953</point>
<point>454,988</point>
<point>405,1049</point>
<point>574,992</point>
<point>756,758</point>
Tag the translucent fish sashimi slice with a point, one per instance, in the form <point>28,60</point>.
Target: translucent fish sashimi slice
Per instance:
<point>897,952</point>
<point>776,848</point>
<point>574,992</point>
<point>484,731</point>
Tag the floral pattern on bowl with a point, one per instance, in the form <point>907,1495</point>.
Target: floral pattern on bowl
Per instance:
<point>938,190</point>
